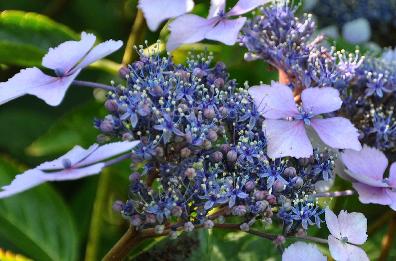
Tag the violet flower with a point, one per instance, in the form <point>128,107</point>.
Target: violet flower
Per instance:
<point>367,168</point>
<point>284,125</point>
<point>158,11</point>
<point>302,251</point>
<point>217,26</point>
<point>66,60</point>
<point>347,230</point>
<point>77,163</point>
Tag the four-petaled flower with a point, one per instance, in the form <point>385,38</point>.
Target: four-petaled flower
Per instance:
<point>217,26</point>
<point>367,168</point>
<point>284,121</point>
<point>77,163</point>
<point>301,251</point>
<point>347,230</point>
<point>168,128</point>
<point>66,60</point>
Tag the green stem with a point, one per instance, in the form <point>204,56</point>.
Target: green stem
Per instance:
<point>96,217</point>
<point>134,36</point>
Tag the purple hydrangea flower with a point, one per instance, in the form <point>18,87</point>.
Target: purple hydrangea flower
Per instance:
<point>367,168</point>
<point>66,60</point>
<point>217,26</point>
<point>284,124</point>
<point>77,163</point>
<point>347,230</point>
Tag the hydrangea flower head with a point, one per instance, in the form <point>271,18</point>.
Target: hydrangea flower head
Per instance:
<point>157,11</point>
<point>301,251</point>
<point>285,122</point>
<point>66,60</point>
<point>367,168</point>
<point>75,164</point>
<point>347,230</point>
<point>217,26</point>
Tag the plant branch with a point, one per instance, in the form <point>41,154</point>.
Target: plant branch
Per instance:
<point>136,31</point>
<point>334,194</point>
<point>388,240</point>
<point>94,85</point>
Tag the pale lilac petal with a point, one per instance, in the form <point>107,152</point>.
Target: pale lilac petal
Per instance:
<point>54,89</point>
<point>345,252</point>
<point>157,11</point>
<point>332,223</point>
<point>275,101</point>
<point>301,251</point>
<point>66,55</point>
<point>321,100</point>
<point>74,173</point>
<point>287,138</point>
<point>226,31</point>
<point>216,6</point>
<point>19,83</point>
<point>366,166</point>
<point>337,132</point>
<point>369,194</point>
<point>108,151</point>
<point>245,6</point>
<point>98,52</point>
<point>353,226</point>
<point>74,156</point>
<point>392,175</point>
<point>392,195</point>
<point>33,81</point>
<point>338,250</point>
<point>188,29</point>
<point>23,182</point>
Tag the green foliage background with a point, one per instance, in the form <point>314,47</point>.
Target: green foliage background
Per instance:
<point>74,220</point>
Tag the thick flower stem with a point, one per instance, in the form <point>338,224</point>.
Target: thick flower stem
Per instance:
<point>122,248</point>
<point>134,36</point>
<point>334,194</point>
<point>388,240</point>
<point>94,85</point>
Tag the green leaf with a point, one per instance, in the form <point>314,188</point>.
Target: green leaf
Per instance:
<point>25,37</point>
<point>37,222</point>
<point>76,127</point>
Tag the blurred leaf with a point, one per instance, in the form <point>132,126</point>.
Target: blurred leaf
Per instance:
<point>9,256</point>
<point>25,37</point>
<point>76,127</point>
<point>36,222</point>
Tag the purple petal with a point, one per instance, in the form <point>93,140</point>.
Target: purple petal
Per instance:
<point>332,223</point>
<point>342,251</point>
<point>66,55</point>
<point>157,11</point>
<point>303,251</point>
<point>353,226</point>
<point>108,151</point>
<point>98,52</point>
<point>216,7</point>
<point>226,31</point>
<point>275,101</point>
<point>188,29</point>
<point>208,204</point>
<point>72,174</point>
<point>369,194</point>
<point>287,138</point>
<point>337,132</point>
<point>245,6</point>
<point>366,166</point>
<point>392,195</point>
<point>54,90</point>
<point>321,100</point>
<point>23,182</point>
<point>392,175</point>
<point>75,155</point>
<point>33,81</point>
